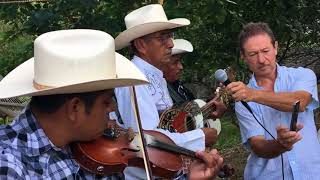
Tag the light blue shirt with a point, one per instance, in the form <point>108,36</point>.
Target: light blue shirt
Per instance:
<point>152,99</point>
<point>303,161</point>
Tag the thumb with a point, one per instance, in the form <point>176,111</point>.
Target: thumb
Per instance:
<point>299,126</point>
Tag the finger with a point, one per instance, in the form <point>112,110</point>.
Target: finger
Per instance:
<point>215,102</point>
<point>208,158</point>
<point>216,156</point>
<point>282,128</point>
<point>292,139</point>
<point>287,135</point>
<point>236,89</point>
<point>234,86</point>
<point>299,126</point>
<point>236,96</point>
<point>231,85</point>
<point>214,152</point>
<point>214,114</point>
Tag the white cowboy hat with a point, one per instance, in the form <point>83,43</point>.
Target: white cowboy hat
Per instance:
<point>71,61</point>
<point>145,20</point>
<point>181,46</point>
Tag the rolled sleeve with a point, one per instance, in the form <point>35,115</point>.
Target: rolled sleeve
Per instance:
<point>193,140</point>
<point>305,80</point>
<point>248,125</point>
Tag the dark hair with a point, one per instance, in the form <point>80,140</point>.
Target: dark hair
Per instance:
<point>133,46</point>
<point>253,29</point>
<point>51,103</point>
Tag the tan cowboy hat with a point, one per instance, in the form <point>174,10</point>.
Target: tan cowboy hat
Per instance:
<point>71,61</point>
<point>145,20</point>
<point>181,46</point>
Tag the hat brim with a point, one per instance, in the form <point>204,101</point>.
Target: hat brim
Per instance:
<point>179,51</point>
<point>125,37</point>
<point>181,46</point>
<point>19,82</point>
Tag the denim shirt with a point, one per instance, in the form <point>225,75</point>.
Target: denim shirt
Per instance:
<point>303,161</point>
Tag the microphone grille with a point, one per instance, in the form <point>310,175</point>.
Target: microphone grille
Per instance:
<point>221,75</point>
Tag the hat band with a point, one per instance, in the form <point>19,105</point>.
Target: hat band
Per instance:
<point>40,86</point>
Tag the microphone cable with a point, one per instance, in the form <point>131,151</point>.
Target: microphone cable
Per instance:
<point>246,105</point>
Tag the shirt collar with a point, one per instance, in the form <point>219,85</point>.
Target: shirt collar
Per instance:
<point>38,141</point>
<point>144,64</point>
<point>253,81</point>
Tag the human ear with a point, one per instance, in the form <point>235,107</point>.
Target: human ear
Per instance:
<point>140,45</point>
<point>276,45</point>
<point>242,55</point>
<point>74,107</point>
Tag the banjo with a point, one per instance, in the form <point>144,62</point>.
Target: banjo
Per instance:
<point>191,115</point>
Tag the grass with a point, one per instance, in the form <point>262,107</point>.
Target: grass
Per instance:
<point>230,147</point>
<point>229,136</point>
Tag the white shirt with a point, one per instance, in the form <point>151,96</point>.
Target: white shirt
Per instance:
<point>152,99</point>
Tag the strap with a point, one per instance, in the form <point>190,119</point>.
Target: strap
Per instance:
<point>119,119</point>
<point>176,97</point>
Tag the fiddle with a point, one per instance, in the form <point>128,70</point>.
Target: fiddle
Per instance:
<point>118,148</point>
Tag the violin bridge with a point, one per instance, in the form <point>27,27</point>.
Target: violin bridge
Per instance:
<point>131,134</point>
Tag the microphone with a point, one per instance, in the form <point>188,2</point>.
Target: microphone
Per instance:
<point>222,77</point>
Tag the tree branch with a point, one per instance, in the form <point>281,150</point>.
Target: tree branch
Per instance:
<point>285,51</point>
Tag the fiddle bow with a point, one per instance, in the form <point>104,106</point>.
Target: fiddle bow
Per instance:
<point>141,134</point>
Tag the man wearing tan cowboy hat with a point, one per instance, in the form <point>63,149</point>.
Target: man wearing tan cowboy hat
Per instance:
<point>71,79</point>
<point>180,94</point>
<point>150,34</point>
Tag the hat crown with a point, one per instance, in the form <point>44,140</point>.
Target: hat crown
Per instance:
<point>181,46</point>
<point>146,20</point>
<point>146,14</point>
<point>73,56</point>
<point>71,61</point>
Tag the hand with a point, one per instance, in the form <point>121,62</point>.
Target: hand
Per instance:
<point>208,168</point>
<point>240,91</point>
<point>211,136</point>
<point>220,108</point>
<point>288,138</point>
<point>111,123</point>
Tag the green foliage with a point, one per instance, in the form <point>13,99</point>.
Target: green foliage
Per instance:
<point>214,28</point>
<point>14,53</point>
<point>229,136</point>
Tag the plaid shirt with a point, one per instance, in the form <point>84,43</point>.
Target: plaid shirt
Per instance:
<point>27,153</point>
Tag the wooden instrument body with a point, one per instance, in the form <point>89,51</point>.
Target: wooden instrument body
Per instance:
<point>105,155</point>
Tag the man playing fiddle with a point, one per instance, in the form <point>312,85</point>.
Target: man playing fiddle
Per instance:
<point>71,83</point>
